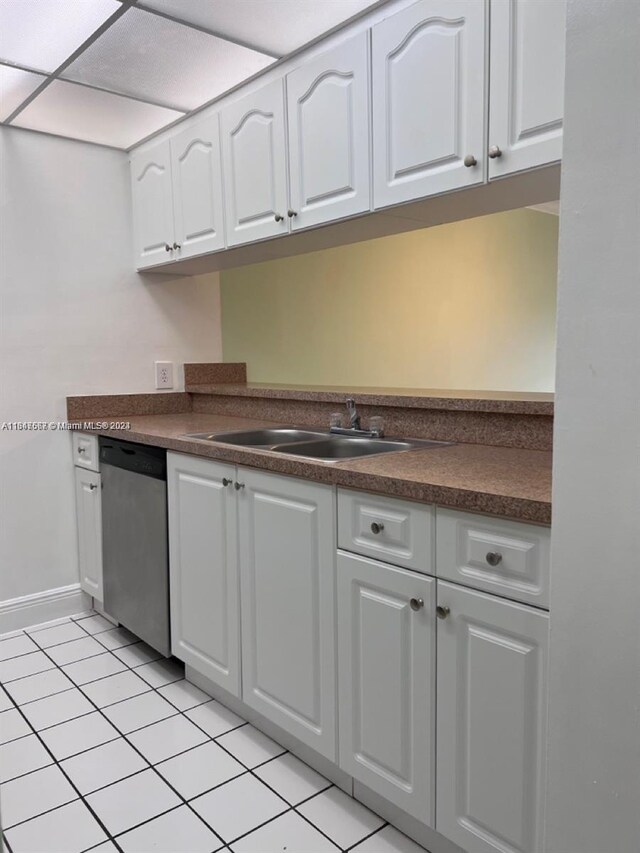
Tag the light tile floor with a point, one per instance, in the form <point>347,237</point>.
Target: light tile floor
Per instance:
<point>105,747</point>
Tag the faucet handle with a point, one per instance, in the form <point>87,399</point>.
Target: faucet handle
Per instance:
<point>376,426</point>
<point>335,419</point>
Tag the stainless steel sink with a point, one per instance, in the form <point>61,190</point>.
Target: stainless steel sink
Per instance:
<point>315,444</point>
<point>344,447</point>
<point>261,437</point>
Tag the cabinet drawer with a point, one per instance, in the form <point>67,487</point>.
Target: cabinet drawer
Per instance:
<point>504,557</point>
<point>85,451</point>
<point>396,531</point>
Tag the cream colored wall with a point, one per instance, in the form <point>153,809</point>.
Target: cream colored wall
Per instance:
<point>467,305</point>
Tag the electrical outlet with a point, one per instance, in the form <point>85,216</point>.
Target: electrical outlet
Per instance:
<point>164,374</point>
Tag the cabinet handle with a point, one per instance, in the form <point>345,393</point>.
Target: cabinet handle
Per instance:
<point>167,247</point>
<point>494,558</point>
<point>291,213</point>
<point>238,486</point>
<point>442,611</point>
<point>416,603</point>
<point>92,486</point>
<point>494,152</point>
<point>470,160</point>
<point>226,481</point>
<point>177,246</point>
<point>278,217</point>
<point>377,527</point>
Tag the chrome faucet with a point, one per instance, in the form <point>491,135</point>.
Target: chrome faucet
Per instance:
<point>352,412</point>
<point>354,427</point>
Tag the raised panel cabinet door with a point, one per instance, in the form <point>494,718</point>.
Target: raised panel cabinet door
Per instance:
<point>491,705</point>
<point>152,206</point>
<point>254,166</point>
<point>196,168</point>
<point>428,100</point>
<point>89,521</point>
<point>386,655</point>
<point>287,568</point>
<point>203,568</point>
<point>526,104</point>
<point>328,116</point>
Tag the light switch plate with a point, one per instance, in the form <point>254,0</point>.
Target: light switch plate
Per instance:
<point>164,374</point>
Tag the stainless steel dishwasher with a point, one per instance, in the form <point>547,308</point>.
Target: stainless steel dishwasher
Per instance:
<point>134,539</point>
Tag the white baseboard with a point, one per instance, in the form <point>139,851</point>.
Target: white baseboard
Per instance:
<point>16,613</point>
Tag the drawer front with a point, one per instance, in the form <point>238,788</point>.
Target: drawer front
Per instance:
<point>396,531</point>
<point>85,451</point>
<point>504,557</point>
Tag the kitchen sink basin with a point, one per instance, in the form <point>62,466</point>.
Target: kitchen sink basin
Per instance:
<point>261,437</point>
<point>316,444</point>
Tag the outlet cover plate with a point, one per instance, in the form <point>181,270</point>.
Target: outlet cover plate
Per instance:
<point>164,374</point>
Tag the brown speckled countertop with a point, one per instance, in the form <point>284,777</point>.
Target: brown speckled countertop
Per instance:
<point>503,481</point>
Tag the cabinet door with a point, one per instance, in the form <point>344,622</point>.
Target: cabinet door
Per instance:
<point>386,654</point>
<point>428,99</point>
<point>254,157</point>
<point>526,104</point>
<point>89,521</point>
<point>287,566</point>
<point>152,206</point>
<point>328,114</point>
<point>203,568</point>
<point>196,168</point>
<point>492,662</point>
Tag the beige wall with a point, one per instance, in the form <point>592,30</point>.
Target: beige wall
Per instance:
<point>467,305</point>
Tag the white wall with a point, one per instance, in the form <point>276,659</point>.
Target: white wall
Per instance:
<point>75,319</point>
<point>594,727</point>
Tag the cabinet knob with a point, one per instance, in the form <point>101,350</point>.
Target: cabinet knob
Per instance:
<point>470,160</point>
<point>442,611</point>
<point>238,486</point>
<point>92,486</point>
<point>82,450</point>
<point>377,527</point>
<point>177,246</point>
<point>278,217</point>
<point>167,247</point>
<point>226,481</point>
<point>494,558</point>
<point>291,213</point>
<point>494,152</point>
<point>416,603</point>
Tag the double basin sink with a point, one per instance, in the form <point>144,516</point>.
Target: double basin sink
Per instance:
<point>314,444</point>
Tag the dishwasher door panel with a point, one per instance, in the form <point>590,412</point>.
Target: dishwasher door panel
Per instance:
<point>135,556</point>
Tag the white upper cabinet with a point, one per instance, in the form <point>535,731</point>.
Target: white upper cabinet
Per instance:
<point>154,234</point>
<point>527,84</point>
<point>428,100</point>
<point>386,654</point>
<point>328,116</point>
<point>287,568</point>
<point>203,568</point>
<point>491,705</point>
<point>255,166</point>
<point>197,189</point>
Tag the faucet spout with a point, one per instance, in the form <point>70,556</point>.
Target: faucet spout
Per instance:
<point>352,412</point>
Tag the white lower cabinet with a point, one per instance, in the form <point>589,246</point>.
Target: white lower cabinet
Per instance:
<point>386,653</point>
<point>287,564</point>
<point>491,707</point>
<point>89,525</point>
<point>205,619</point>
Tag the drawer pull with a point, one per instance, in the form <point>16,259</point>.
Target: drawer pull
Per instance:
<point>442,611</point>
<point>238,486</point>
<point>416,603</point>
<point>377,527</point>
<point>226,481</point>
<point>494,558</point>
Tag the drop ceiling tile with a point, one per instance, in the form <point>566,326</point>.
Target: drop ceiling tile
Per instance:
<point>15,87</point>
<point>66,109</point>
<point>43,33</point>
<point>163,62</point>
<point>276,26</point>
